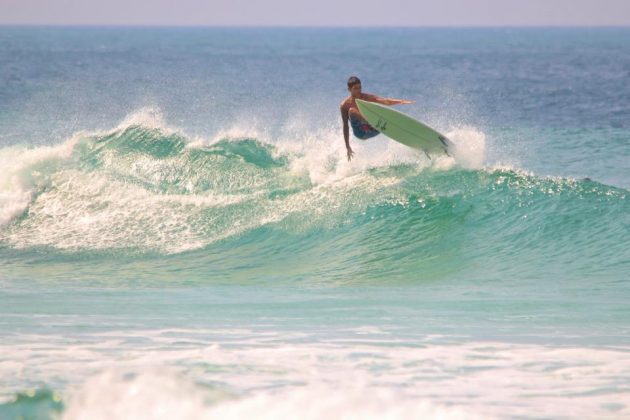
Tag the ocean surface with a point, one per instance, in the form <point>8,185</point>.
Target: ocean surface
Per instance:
<point>181,235</point>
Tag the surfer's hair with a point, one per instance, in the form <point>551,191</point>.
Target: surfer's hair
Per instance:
<point>353,80</point>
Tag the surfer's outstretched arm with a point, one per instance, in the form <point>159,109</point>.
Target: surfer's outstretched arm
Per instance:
<point>346,131</point>
<point>387,101</point>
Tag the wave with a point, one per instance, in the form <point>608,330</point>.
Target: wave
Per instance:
<point>145,188</point>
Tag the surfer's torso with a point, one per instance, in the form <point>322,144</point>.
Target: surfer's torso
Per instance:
<point>360,127</point>
<point>349,105</point>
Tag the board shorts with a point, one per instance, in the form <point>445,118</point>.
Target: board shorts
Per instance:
<point>362,130</point>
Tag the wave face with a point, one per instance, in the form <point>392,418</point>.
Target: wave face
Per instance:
<point>143,189</point>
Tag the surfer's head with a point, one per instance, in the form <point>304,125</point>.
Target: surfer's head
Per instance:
<point>354,86</point>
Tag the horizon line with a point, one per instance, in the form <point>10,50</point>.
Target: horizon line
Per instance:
<point>308,26</point>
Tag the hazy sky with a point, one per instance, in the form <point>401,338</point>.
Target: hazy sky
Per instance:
<point>317,12</point>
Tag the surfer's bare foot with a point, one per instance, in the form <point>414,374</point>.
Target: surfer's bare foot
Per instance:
<point>350,153</point>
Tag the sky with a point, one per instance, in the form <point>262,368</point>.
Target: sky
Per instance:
<point>317,12</point>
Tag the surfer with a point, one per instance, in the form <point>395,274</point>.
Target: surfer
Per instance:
<point>349,111</point>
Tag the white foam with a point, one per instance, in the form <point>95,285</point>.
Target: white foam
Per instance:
<point>470,147</point>
<point>116,395</point>
<point>23,168</point>
<point>367,373</point>
<point>152,395</point>
<point>95,211</point>
<point>24,172</point>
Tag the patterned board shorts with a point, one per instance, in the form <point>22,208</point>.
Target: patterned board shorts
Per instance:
<point>362,129</point>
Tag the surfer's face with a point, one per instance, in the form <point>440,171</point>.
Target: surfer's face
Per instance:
<point>355,90</point>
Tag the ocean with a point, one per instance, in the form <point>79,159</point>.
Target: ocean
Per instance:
<point>182,236</point>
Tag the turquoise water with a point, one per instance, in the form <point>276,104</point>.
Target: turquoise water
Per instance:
<point>182,237</point>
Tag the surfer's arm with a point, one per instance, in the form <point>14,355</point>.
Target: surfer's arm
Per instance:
<point>346,131</point>
<point>386,101</point>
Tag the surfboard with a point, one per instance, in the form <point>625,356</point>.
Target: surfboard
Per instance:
<point>404,129</point>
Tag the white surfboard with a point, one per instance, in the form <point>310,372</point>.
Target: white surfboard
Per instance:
<point>404,129</point>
